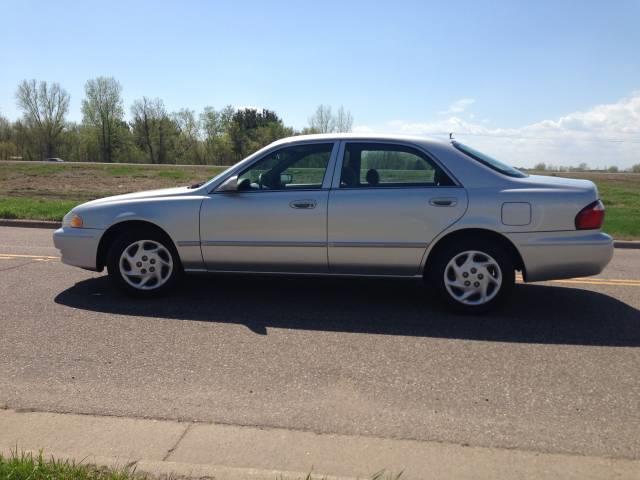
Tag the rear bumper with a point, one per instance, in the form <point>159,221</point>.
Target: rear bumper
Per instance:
<point>78,246</point>
<point>555,255</point>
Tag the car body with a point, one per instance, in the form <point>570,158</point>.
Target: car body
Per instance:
<point>347,204</point>
<point>54,159</point>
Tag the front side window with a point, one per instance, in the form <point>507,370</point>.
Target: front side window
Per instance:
<point>385,165</point>
<point>295,167</point>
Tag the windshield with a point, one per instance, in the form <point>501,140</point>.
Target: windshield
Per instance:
<point>489,161</point>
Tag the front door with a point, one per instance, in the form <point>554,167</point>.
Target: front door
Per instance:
<point>391,201</point>
<point>277,219</point>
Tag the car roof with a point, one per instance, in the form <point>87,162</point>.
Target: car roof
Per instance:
<point>360,136</point>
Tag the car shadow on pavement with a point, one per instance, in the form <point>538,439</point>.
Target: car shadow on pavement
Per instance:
<point>535,313</point>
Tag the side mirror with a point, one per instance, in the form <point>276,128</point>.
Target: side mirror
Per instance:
<point>229,185</point>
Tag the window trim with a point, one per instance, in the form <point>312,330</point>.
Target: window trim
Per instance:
<point>335,182</point>
<point>243,167</point>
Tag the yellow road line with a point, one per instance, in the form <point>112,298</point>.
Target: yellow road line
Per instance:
<point>35,258</point>
<point>595,281</point>
<point>16,255</point>
<point>598,279</point>
<point>603,282</point>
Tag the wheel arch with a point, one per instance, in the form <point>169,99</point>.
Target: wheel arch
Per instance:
<point>115,230</point>
<point>475,233</point>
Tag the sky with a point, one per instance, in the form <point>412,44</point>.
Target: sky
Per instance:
<point>544,81</point>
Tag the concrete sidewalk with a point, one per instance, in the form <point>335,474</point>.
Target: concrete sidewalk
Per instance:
<point>234,452</point>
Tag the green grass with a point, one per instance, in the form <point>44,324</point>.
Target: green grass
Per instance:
<point>622,202</point>
<point>26,466</point>
<point>34,208</point>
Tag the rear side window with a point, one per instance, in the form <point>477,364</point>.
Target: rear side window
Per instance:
<point>371,165</point>
<point>490,162</point>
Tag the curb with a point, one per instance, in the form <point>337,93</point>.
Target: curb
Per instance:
<point>7,222</point>
<point>626,244</point>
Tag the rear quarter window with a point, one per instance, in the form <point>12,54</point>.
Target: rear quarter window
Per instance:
<point>489,161</point>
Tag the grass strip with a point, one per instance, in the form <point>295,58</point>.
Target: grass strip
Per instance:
<point>26,208</point>
<point>26,466</point>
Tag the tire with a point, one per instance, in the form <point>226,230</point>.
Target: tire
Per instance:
<point>143,264</point>
<point>472,276</point>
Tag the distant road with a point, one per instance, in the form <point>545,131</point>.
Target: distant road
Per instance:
<point>162,165</point>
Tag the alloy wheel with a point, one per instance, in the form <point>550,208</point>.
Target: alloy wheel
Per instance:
<point>146,264</point>
<point>473,278</point>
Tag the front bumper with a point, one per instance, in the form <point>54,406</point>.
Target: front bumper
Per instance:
<point>556,255</point>
<point>78,246</point>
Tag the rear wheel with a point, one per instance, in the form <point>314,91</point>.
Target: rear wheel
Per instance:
<point>143,264</point>
<point>472,275</point>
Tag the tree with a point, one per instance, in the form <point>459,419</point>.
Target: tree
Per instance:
<point>541,167</point>
<point>343,121</point>
<point>613,169</point>
<point>153,130</point>
<point>8,147</point>
<point>636,168</point>
<point>103,109</point>
<point>44,108</point>
<point>252,129</point>
<point>187,136</point>
<point>322,120</point>
<point>216,126</point>
<point>216,123</point>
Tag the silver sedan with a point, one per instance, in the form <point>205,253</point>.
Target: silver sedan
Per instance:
<point>346,205</point>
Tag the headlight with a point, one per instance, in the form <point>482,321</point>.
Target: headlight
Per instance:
<point>72,220</point>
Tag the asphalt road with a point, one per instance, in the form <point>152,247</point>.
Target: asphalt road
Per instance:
<point>555,370</point>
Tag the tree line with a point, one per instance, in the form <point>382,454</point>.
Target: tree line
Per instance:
<point>583,167</point>
<point>152,134</point>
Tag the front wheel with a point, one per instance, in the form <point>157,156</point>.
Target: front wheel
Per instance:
<point>472,276</point>
<point>143,264</point>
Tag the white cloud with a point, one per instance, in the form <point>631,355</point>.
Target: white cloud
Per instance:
<point>459,106</point>
<point>604,135</point>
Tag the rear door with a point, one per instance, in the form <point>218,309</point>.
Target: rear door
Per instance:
<point>388,202</point>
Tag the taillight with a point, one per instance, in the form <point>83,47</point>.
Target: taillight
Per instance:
<point>591,216</point>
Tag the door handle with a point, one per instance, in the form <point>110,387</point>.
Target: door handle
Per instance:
<point>444,202</point>
<point>308,204</point>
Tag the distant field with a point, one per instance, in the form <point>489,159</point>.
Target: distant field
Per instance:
<point>48,191</point>
<point>68,181</point>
